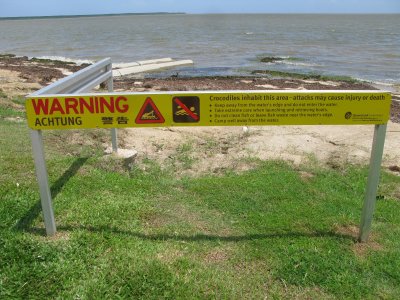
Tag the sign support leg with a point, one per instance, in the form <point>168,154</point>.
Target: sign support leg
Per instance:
<point>373,181</point>
<point>114,139</point>
<point>43,181</point>
<point>114,133</point>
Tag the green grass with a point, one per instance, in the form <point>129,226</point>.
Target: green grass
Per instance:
<point>145,234</point>
<point>6,110</point>
<point>9,112</point>
<point>19,100</point>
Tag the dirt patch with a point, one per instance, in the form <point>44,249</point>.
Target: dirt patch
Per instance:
<point>306,176</point>
<point>363,249</point>
<point>348,230</point>
<point>195,151</point>
<point>360,249</point>
<point>60,236</point>
<point>156,220</point>
<point>248,267</point>
<point>290,291</point>
<point>216,256</point>
<point>191,151</point>
<point>12,85</point>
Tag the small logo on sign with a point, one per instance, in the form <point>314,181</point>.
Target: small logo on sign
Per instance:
<point>149,113</point>
<point>186,109</point>
<point>348,115</point>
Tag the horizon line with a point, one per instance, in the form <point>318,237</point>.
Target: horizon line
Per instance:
<point>193,13</point>
<point>93,15</point>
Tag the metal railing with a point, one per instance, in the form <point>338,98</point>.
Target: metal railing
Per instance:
<point>82,81</point>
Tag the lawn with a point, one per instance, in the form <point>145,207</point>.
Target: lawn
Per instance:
<point>277,231</point>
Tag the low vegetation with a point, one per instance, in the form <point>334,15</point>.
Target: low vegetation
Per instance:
<point>311,76</point>
<point>7,55</point>
<point>271,59</point>
<point>51,61</point>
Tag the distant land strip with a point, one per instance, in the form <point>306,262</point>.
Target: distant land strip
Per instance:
<point>95,15</point>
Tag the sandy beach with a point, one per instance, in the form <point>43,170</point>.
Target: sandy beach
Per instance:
<point>219,148</point>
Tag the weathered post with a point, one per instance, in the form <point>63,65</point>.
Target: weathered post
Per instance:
<point>373,181</point>
<point>43,181</point>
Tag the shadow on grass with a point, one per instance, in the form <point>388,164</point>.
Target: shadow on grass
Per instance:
<point>198,237</point>
<point>26,221</point>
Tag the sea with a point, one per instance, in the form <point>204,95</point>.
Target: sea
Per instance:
<point>365,47</point>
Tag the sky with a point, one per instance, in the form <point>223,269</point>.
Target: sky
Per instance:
<point>18,8</point>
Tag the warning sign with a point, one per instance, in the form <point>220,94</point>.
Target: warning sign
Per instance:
<point>149,113</point>
<point>211,108</point>
<point>186,109</point>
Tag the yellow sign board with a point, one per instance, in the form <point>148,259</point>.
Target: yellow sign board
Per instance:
<point>214,108</point>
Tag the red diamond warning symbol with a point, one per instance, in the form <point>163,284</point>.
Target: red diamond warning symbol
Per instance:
<point>149,113</point>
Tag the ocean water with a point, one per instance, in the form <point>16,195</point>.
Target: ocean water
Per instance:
<point>361,46</point>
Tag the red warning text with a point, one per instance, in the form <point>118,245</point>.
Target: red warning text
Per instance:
<point>78,105</point>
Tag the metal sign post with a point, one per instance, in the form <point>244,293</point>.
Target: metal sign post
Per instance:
<point>41,175</point>
<point>373,181</point>
<point>81,81</point>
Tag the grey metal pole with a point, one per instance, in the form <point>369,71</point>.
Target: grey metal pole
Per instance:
<point>114,133</point>
<point>43,181</point>
<point>373,181</point>
<point>114,139</point>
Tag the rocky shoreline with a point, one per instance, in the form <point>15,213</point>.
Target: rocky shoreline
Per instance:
<point>34,73</point>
